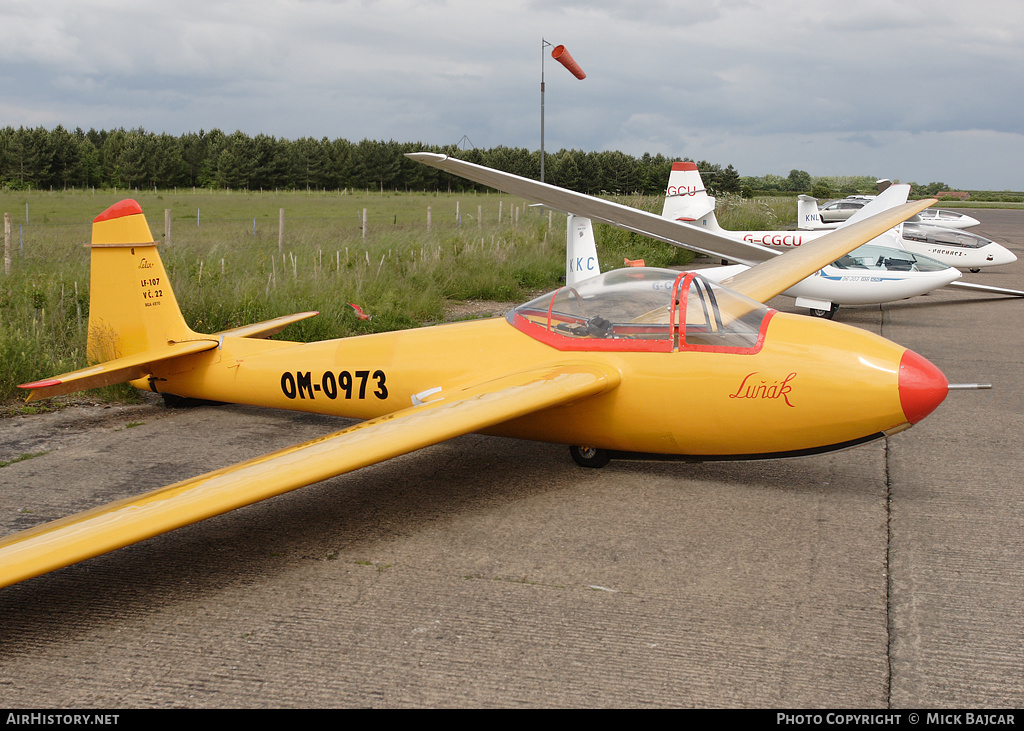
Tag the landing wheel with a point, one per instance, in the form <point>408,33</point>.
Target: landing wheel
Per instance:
<point>589,456</point>
<point>974,271</point>
<point>827,314</point>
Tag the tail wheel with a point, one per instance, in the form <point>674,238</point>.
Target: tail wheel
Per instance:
<point>827,314</point>
<point>589,456</point>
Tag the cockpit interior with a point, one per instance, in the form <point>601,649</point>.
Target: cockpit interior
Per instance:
<point>648,309</point>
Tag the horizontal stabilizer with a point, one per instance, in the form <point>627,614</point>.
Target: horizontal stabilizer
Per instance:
<point>449,413</point>
<point>110,372</point>
<point>266,328</point>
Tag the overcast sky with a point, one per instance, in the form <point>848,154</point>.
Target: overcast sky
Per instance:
<point>916,90</point>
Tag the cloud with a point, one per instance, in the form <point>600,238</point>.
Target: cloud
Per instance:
<point>732,75</point>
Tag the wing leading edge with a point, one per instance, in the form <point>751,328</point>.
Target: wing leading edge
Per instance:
<point>449,414</point>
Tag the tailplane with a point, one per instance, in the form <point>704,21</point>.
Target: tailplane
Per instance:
<point>134,318</point>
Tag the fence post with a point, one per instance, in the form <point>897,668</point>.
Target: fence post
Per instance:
<point>364,224</point>
<point>480,217</point>
<point>7,243</point>
<point>280,231</point>
<point>428,217</point>
<point>167,226</point>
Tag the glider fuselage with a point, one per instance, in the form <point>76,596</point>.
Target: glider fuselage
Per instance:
<point>811,385</point>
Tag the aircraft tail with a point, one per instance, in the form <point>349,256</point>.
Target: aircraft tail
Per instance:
<point>580,250</point>
<point>807,214</point>
<point>687,200</point>
<point>132,308</point>
<point>134,318</point>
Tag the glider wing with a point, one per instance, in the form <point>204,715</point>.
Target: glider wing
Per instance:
<point>987,288</point>
<point>442,415</point>
<point>598,209</point>
<point>770,273</point>
<point>891,197</point>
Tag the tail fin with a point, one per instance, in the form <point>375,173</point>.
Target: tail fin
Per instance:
<point>134,319</point>
<point>686,198</point>
<point>132,308</point>
<point>580,250</point>
<point>807,216</point>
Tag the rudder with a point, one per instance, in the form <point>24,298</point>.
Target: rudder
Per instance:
<point>580,250</point>
<point>686,198</point>
<point>807,213</point>
<point>132,308</point>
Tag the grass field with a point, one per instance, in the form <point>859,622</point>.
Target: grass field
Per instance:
<point>227,269</point>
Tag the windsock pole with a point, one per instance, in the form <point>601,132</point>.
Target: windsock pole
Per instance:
<point>565,58</point>
<point>543,44</point>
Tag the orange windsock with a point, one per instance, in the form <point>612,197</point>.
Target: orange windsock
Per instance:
<point>563,57</point>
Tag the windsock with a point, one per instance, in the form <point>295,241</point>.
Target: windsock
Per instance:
<point>563,57</point>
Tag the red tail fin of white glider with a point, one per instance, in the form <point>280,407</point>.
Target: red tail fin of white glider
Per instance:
<point>686,198</point>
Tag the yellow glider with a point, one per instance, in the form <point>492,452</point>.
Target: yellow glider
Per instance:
<point>636,362</point>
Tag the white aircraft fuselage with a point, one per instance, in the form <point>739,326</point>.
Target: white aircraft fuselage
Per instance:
<point>960,249</point>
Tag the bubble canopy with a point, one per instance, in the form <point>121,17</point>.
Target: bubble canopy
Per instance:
<point>645,309</point>
<point>885,258</point>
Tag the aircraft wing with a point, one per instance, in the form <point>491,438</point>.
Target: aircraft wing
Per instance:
<point>771,278</point>
<point>447,414</point>
<point>894,195</point>
<point>986,288</point>
<point>770,273</point>
<point>598,209</point>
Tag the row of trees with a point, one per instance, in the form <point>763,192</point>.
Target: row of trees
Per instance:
<point>62,159</point>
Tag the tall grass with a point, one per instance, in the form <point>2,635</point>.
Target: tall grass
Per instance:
<point>755,214</point>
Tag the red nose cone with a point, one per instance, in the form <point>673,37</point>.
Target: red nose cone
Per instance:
<point>922,386</point>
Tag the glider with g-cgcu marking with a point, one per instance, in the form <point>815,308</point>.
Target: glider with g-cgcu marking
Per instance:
<point>636,362</point>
